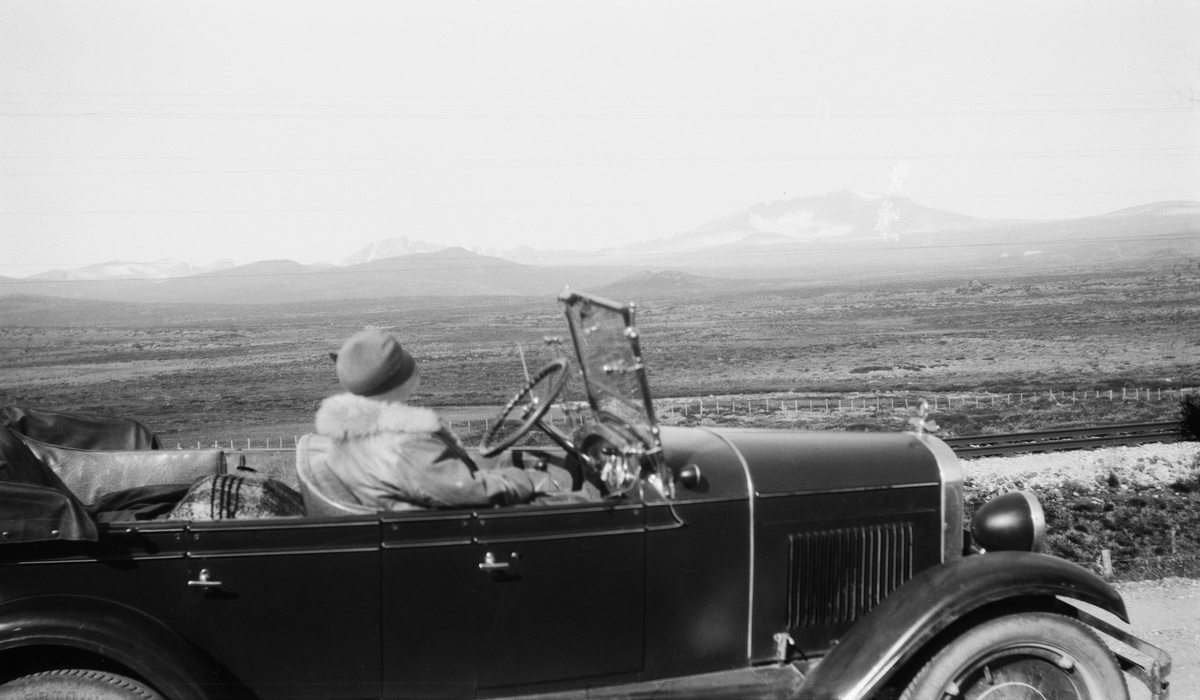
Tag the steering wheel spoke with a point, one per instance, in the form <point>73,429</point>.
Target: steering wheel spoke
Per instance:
<point>533,401</point>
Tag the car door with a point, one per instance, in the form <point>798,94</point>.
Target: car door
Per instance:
<point>289,606</point>
<point>561,592</point>
<point>430,585</point>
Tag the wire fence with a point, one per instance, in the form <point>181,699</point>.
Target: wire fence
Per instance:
<point>793,406</point>
<point>717,406</point>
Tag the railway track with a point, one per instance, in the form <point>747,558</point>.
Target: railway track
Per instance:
<point>1063,439</point>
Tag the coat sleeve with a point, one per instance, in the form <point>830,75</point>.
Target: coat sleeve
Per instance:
<point>451,478</point>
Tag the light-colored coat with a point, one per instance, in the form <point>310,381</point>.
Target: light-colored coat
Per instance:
<point>392,456</point>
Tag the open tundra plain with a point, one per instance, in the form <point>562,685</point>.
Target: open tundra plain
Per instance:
<point>236,371</point>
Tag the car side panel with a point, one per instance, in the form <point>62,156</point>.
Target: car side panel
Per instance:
<point>824,560</point>
<point>697,588</point>
<point>699,553</point>
<point>569,601</point>
<point>431,582</point>
<point>138,567</point>
<point>297,612</point>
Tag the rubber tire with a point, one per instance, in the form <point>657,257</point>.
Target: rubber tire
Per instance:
<point>80,684</point>
<point>1095,674</point>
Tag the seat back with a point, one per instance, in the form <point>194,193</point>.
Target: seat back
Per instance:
<point>276,463</point>
<point>90,474</point>
<point>331,498</point>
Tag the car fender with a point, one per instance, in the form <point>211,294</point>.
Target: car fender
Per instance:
<point>122,634</point>
<point>934,599</point>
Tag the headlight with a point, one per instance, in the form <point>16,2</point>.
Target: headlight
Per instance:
<point>1013,522</point>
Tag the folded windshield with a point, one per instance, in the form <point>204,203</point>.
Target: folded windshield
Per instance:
<point>614,376</point>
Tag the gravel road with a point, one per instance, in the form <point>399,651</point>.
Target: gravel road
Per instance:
<point>1166,613</point>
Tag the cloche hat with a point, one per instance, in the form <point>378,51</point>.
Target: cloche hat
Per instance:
<point>372,362</point>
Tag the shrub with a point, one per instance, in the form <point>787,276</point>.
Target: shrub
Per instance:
<point>1189,417</point>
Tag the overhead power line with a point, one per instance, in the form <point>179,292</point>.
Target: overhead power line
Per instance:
<point>1173,152</point>
<point>772,97</point>
<point>534,116</point>
<point>552,161</point>
<point>579,205</point>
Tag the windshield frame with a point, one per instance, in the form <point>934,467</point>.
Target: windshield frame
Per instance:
<point>571,300</point>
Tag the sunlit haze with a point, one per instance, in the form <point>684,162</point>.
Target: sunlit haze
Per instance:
<point>305,130</point>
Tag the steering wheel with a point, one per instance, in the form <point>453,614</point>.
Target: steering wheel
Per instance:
<point>551,378</point>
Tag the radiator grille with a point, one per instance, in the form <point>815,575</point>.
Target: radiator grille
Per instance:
<point>837,576</point>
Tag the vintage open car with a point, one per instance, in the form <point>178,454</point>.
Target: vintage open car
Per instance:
<point>720,562</point>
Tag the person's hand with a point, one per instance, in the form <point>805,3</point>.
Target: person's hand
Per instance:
<point>550,479</point>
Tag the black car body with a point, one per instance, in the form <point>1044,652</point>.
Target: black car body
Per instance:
<point>724,563</point>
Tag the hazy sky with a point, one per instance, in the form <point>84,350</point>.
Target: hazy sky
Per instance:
<point>305,130</point>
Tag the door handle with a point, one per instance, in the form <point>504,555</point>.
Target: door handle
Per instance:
<point>204,580</point>
<point>489,563</point>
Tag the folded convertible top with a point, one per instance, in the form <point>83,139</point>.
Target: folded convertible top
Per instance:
<point>82,431</point>
<point>35,505</point>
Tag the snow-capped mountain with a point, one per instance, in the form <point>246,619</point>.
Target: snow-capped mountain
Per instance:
<point>390,248</point>
<point>844,215</point>
<point>839,235</point>
<point>123,270</point>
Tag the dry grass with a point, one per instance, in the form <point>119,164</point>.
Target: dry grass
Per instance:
<point>231,372</point>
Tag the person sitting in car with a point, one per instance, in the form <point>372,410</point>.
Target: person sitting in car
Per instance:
<point>390,455</point>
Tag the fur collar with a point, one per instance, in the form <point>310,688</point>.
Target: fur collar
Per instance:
<point>345,416</point>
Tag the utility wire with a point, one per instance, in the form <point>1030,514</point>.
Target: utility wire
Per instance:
<point>579,205</point>
<point>689,115</point>
<point>553,161</point>
<point>566,163</point>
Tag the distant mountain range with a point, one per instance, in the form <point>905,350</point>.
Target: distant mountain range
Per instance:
<point>802,239</point>
<point>120,270</point>
<point>447,272</point>
<point>847,232</point>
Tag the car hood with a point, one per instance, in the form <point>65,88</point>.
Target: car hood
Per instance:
<point>792,461</point>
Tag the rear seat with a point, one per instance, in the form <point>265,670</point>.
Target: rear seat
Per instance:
<point>90,474</point>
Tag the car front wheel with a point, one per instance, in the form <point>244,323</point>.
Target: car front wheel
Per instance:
<point>76,683</point>
<point>1019,657</point>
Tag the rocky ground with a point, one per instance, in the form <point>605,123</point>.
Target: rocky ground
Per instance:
<point>1141,503</point>
<point>1129,500</point>
<point>1166,613</point>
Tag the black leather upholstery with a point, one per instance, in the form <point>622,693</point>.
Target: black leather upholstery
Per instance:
<point>90,474</point>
